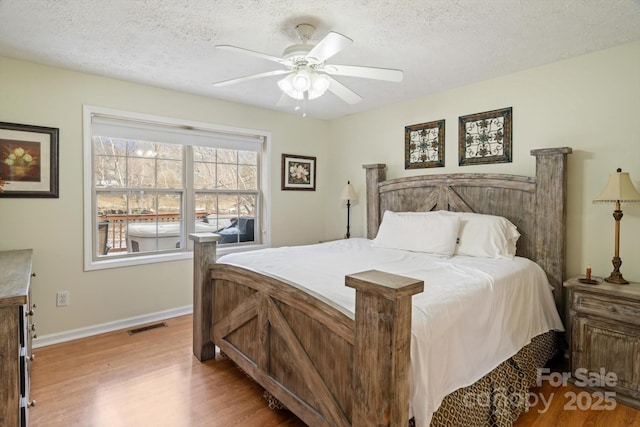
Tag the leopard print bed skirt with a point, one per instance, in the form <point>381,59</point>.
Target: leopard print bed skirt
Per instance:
<point>498,398</point>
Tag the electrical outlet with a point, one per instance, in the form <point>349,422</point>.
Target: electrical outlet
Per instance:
<point>62,299</point>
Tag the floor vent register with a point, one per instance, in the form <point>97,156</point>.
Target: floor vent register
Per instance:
<point>147,328</point>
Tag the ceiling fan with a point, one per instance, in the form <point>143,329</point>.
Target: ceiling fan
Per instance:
<point>308,76</point>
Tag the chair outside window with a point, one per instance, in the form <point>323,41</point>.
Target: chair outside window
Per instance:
<point>240,230</point>
<point>103,237</point>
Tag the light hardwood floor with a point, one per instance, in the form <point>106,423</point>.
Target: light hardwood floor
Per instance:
<point>152,379</point>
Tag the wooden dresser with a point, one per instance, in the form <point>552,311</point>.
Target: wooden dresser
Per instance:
<point>604,336</point>
<point>16,327</point>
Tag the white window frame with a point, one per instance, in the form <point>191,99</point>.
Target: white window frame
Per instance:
<point>264,202</point>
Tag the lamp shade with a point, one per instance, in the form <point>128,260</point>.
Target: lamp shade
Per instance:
<point>619,189</point>
<point>286,85</point>
<point>301,80</point>
<point>319,85</point>
<point>348,193</point>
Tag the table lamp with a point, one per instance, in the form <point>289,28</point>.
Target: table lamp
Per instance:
<point>619,189</point>
<point>348,194</point>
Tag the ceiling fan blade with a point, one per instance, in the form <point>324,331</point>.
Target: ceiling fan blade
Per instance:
<point>331,44</point>
<point>254,53</point>
<point>251,77</point>
<point>387,74</point>
<point>343,92</point>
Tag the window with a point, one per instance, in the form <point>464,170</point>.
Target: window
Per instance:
<point>150,181</point>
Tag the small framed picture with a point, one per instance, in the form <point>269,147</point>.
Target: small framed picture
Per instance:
<point>298,172</point>
<point>28,161</point>
<point>485,137</point>
<point>424,145</point>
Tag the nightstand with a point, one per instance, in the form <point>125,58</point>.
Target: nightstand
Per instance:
<point>604,337</point>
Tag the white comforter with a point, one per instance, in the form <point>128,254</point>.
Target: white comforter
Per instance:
<point>474,313</point>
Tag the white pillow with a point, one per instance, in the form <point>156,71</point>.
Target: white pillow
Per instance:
<point>429,232</point>
<point>488,236</point>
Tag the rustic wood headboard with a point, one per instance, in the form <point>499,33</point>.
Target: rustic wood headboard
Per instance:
<point>536,205</point>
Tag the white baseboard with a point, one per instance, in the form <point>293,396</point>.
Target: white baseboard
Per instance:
<point>74,334</point>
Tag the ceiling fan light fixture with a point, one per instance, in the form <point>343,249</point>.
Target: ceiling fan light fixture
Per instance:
<point>319,85</point>
<point>301,80</point>
<point>286,85</point>
<point>302,62</point>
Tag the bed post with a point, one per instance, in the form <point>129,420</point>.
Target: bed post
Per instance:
<point>375,175</point>
<point>382,348</point>
<point>551,196</point>
<point>204,254</point>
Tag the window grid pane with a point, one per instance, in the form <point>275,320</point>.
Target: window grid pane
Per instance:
<point>138,222</point>
<point>233,215</point>
<point>139,218</point>
<point>139,195</point>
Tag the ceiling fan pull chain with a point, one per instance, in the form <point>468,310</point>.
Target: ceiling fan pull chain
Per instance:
<point>304,104</point>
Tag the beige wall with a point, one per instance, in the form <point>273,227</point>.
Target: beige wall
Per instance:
<point>45,96</point>
<point>590,103</point>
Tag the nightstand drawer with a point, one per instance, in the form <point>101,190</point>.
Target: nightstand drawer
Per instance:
<point>610,307</point>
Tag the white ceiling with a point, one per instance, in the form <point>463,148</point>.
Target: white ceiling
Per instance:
<point>439,44</point>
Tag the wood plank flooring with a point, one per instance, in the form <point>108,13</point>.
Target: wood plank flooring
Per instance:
<point>152,379</point>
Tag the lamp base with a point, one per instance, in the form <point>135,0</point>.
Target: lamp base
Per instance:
<point>346,236</point>
<point>616,277</point>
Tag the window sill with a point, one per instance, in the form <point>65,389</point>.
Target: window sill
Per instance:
<point>107,263</point>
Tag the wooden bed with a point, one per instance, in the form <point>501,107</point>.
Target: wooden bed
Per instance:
<point>332,368</point>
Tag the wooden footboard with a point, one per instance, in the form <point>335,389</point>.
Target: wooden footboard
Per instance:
<point>328,367</point>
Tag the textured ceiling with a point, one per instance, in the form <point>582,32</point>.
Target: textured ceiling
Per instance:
<point>439,44</point>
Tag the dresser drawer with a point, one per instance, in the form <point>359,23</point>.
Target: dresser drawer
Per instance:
<point>610,307</point>
<point>15,340</point>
